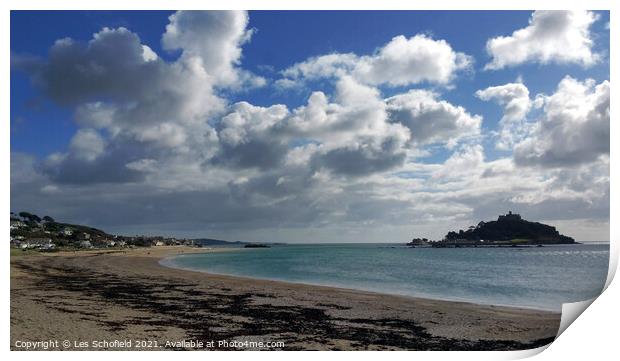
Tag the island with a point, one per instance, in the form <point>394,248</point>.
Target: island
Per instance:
<point>509,230</point>
<point>256,245</point>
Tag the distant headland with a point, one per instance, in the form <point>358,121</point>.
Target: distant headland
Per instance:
<point>31,232</point>
<point>508,230</point>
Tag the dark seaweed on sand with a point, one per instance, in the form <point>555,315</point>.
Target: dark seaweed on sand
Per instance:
<point>220,314</point>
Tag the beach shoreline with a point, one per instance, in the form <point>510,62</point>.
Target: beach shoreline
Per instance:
<point>136,297</point>
<point>168,262</point>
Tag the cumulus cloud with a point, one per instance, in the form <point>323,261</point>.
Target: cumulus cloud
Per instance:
<point>137,107</point>
<point>214,37</point>
<point>354,135</point>
<point>430,119</point>
<point>574,128</point>
<point>402,61</point>
<point>110,65</point>
<point>74,168</point>
<point>551,36</point>
<point>148,54</point>
<point>465,162</point>
<point>368,155</point>
<point>143,106</point>
<point>515,98</point>
<point>248,139</point>
<point>172,131</point>
<point>96,114</point>
<point>114,86</point>
<point>412,119</point>
<point>349,136</point>
<point>87,144</point>
<point>325,66</point>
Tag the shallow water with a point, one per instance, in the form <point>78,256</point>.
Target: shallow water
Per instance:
<point>540,277</point>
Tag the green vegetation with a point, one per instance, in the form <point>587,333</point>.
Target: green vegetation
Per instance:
<point>29,231</point>
<point>510,229</point>
<point>31,218</point>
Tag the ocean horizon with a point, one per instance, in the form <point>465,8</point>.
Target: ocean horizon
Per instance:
<point>533,277</point>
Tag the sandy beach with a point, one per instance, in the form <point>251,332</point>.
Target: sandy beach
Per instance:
<point>107,295</point>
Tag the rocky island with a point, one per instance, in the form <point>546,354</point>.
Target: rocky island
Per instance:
<point>508,230</point>
<point>256,245</point>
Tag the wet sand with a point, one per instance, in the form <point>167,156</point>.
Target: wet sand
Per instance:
<point>93,296</point>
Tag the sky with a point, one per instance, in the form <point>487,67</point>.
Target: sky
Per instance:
<point>311,126</point>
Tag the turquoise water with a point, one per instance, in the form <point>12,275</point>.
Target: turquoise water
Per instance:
<point>540,277</point>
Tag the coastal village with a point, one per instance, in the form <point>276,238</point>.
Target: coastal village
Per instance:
<point>31,232</point>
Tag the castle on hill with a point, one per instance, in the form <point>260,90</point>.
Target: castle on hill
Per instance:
<point>509,229</point>
<point>509,217</point>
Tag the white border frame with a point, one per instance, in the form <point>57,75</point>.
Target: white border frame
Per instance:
<point>592,336</point>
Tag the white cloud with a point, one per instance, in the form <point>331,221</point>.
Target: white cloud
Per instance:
<point>95,114</point>
<point>248,137</point>
<point>87,144</point>
<point>515,98</point>
<point>169,135</point>
<point>324,66</point>
<point>354,133</point>
<point>170,111</point>
<point>431,120</point>
<point>214,37</point>
<point>143,165</point>
<point>551,36</point>
<point>574,128</point>
<point>405,61</point>
<point>351,135</point>
<point>148,54</point>
<point>418,116</point>
<point>400,62</point>
<point>465,162</point>
<point>246,121</point>
<point>146,107</point>
<point>286,84</point>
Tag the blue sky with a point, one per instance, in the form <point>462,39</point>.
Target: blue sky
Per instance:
<point>41,125</point>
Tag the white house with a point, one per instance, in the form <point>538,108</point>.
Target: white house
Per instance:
<point>16,224</point>
<point>38,243</point>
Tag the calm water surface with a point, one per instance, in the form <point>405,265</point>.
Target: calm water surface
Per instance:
<point>541,277</point>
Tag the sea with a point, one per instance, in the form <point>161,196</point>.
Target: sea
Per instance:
<point>535,277</point>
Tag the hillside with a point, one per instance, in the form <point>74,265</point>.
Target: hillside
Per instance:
<point>29,231</point>
<point>216,242</point>
<point>510,228</point>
